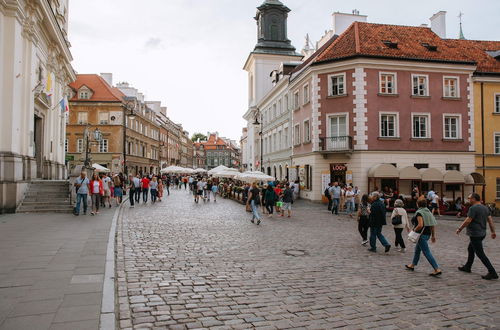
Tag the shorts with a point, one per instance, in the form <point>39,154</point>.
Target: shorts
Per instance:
<point>200,192</point>
<point>434,206</point>
<point>279,204</point>
<point>286,206</point>
<point>107,192</point>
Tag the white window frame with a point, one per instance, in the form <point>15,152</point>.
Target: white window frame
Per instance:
<point>428,128</point>
<point>496,148</point>
<point>330,84</point>
<point>86,117</point>
<point>84,95</point>
<point>103,122</point>
<point>396,123</point>
<point>275,111</point>
<point>280,107</point>
<point>459,125</point>
<point>306,138</point>
<point>286,102</point>
<point>296,139</point>
<point>457,87</point>
<point>79,145</point>
<point>337,114</point>
<point>395,83</point>
<point>496,103</point>
<point>104,145</point>
<point>306,97</point>
<point>296,100</point>
<point>426,84</point>
<point>286,138</point>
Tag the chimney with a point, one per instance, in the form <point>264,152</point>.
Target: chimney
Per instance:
<point>341,21</point>
<point>438,24</point>
<point>108,77</point>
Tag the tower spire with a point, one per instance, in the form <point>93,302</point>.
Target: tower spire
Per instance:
<point>461,33</point>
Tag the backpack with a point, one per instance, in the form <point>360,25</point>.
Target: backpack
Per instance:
<point>326,192</point>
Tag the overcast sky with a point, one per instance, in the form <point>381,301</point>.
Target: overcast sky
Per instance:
<point>189,54</point>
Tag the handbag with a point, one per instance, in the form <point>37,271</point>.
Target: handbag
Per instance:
<point>397,220</point>
<point>413,236</point>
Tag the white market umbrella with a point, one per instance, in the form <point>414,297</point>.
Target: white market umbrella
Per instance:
<point>172,169</point>
<point>217,169</point>
<point>188,171</point>
<point>227,173</point>
<point>200,170</point>
<point>252,176</point>
<point>100,168</point>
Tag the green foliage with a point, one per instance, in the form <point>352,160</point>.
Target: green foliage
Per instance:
<point>200,136</point>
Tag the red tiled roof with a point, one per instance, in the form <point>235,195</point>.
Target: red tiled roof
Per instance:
<point>476,50</point>
<point>100,88</point>
<point>367,39</point>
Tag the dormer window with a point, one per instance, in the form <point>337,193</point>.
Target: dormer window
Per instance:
<point>390,44</point>
<point>430,47</point>
<point>84,93</point>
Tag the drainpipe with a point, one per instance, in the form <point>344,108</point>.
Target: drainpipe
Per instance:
<point>482,141</point>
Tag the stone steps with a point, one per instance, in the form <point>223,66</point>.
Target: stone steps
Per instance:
<point>46,197</point>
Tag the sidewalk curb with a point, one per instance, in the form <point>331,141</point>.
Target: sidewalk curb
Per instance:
<point>108,316</point>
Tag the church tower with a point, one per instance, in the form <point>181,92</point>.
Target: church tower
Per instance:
<point>272,49</point>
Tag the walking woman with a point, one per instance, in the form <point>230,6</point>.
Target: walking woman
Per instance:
<point>160,189</point>
<point>153,186</point>
<point>425,224</point>
<point>270,200</point>
<point>96,191</point>
<point>215,190</point>
<point>363,219</point>
<point>399,219</point>
<point>349,201</point>
<point>118,189</point>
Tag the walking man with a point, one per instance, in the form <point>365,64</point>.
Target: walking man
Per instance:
<point>136,181</point>
<point>476,230</point>
<point>82,190</point>
<point>145,189</point>
<point>335,192</point>
<point>254,201</point>
<point>327,195</point>
<point>376,221</point>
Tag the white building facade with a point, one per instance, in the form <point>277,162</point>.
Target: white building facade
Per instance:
<point>35,70</point>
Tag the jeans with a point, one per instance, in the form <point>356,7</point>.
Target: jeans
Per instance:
<point>154,194</point>
<point>207,194</point>
<point>423,246</point>
<point>363,227</point>
<point>79,199</point>
<point>145,194</point>
<point>399,238</point>
<point>329,203</point>
<point>255,210</point>
<point>349,207</point>
<point>335,205</point>
<point>476,248</point>
<point>376,232</point>
<point>137,193</point>
<point>270,207</point>
<point>131,198</point>
<point>96,201</point>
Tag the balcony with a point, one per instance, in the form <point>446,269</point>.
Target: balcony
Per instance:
<point>336,144</point>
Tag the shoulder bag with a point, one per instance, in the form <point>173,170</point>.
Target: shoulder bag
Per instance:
<point>397,220</point>
<point>413,236</point>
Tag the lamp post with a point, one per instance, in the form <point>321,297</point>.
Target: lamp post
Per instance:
<point>256,122</point>
<point>128,111</point>
<point>97,138</point>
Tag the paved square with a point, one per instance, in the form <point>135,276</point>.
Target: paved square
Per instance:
<point>184,265</point>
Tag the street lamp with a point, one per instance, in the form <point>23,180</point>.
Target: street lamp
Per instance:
<point>128,111</point>
<point>97,138</point>
<point>256,122</point>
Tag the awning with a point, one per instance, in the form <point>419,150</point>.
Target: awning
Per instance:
<point>383,171</point>
<point>474,179</point>
<point>453,177</point>
<point>100,168</point>
<point>409,173</point>
<point>431,175</point>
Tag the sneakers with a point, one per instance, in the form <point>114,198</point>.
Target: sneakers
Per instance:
<point>464,269</point>
<point>372,250</point>
<point>490,276</point>
<point>402,250</point>
<point>364,242</point>
<point>387,248</point>
<point>252,221</point>
<point>258,223</point>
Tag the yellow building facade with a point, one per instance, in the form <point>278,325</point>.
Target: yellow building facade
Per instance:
<point>487,134</point>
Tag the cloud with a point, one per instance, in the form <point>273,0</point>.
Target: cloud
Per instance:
<point>153,43</point>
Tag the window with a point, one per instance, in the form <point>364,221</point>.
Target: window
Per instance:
<point>306,94</point>
<point>337,85</point>
<point>420,126</point>
<point>280,140</point>
<point>419,85</point>
<point>296,134</point>
<point>450,87</point>
<point>421,165</point>
<point>497,103</point>
<point>274,111</point>
<point>286,137</point>
<point>388,125</point>
<point>296,100</point>
<point>307,132</point>
<point>84,95</point>
<point>103,118</point>
<point>452,127</point>
<point>66,145</point>
<point>103,145</point>
<point>387,83</point>
<point>452,167</point>
<point>280,109</point>
<point>498,188</point>
<point>497,143</point>
<point>79,145</point>
<point>82,118</point>
<point>309,175</point>
<point>275,142</point>
<point>286,102</point>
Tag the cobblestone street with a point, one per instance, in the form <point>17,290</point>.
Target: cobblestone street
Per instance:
<point>185,265</point>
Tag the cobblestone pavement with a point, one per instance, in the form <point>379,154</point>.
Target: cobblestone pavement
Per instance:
<point>184,265</point>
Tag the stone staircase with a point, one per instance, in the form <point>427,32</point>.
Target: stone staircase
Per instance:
<point>46,196</point>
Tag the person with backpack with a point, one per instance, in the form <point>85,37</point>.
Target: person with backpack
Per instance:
<point>254,201</point>
<point>363,218</point>
<point>270,199</point>
<point>287,201</point>
<point>376,222</point>
<point>328,196</point>
<point>399,219</point>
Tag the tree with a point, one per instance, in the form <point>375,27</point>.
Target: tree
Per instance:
<point>198,136</point>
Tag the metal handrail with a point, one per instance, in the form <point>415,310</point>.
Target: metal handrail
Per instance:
<point>336,143</point>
